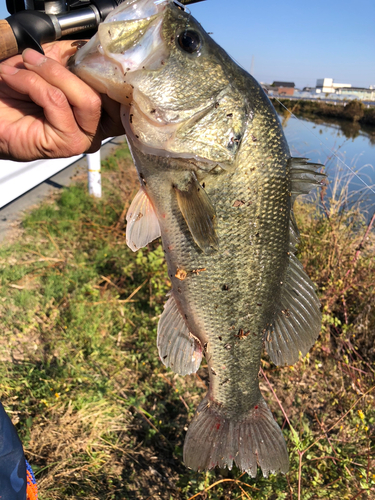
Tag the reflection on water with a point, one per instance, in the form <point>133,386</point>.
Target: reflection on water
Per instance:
<point>349,129</point>
<point>336,143</point>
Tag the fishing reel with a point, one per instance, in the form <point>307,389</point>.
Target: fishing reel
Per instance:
<point>34,22</point>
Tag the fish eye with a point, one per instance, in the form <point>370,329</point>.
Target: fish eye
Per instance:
<point>189,41</point>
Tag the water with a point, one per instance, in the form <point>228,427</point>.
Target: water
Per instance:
<point>352,144</point>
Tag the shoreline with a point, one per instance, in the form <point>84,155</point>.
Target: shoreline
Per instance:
<point>353,111</point>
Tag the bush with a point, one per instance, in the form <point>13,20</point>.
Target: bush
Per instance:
<point>354,110</point>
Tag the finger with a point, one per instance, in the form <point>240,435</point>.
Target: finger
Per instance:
<point>60,51</point>
<point>15,61</point>
<point>56,107</point>
<point>85,101</point>
<point>110,120</point>
<point>6,92</point>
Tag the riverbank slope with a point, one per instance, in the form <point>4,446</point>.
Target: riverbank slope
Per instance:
<point>354,111</point>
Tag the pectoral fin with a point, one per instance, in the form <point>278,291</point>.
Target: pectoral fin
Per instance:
<point>142,223</point>
<point>199,215</point>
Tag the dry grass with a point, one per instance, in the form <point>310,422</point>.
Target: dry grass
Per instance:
<point>99,415</point>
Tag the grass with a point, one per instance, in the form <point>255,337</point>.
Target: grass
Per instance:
<point>101,418</point>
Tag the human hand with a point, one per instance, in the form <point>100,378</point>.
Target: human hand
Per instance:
<point>47,112</point>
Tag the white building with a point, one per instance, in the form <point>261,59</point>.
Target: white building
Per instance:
<point>328,86</point>
<point>357,93</point>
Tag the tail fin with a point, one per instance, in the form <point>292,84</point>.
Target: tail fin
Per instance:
<point>215,440</point>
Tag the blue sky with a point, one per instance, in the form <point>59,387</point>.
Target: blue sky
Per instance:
<point>296,40</point>
<point>293,40</point>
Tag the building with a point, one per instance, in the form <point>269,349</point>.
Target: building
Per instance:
<point>284,88</point>
<point>357,93</point>
<point>283,84</point>
<point>328,86</point>
<point>344,90</point>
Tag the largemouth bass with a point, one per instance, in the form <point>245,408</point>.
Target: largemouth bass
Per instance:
<point>218,184</point>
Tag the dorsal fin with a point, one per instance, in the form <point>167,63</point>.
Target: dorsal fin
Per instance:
<point>297,323</point>
<point>298,319</point>
<point>305,176</point>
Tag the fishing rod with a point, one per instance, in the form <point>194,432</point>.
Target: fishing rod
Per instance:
<point>34,22</point>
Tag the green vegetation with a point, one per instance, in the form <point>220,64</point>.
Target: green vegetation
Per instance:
<point>99,415</point>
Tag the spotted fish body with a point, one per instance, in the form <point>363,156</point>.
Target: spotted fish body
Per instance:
<point>217,183</point>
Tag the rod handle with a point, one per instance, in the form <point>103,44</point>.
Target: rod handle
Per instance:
<point>8,42</point>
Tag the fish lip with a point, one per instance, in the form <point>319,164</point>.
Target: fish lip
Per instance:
<point>127,11</point>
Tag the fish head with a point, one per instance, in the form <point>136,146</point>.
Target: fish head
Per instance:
<point>174,81</point>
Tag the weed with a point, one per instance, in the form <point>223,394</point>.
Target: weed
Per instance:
<point>99,415</point>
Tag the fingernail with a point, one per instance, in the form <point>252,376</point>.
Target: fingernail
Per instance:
<point>79,43</point>
<point>33,57</point>
<point>8,70</point>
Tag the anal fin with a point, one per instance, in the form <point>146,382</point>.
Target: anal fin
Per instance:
<point>298,320</point>
<point>178,348</point>
<point>142,224</point>
<point>199,215</point>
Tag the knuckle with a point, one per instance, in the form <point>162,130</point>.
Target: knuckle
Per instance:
<point>78,145</point>
<point>64,147</point>
<point>56,96</point>
<point>93,103</point>
<point>54,70</point>
<point>33,79</point>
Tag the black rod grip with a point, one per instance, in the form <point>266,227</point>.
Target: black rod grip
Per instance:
<point>31,28</point>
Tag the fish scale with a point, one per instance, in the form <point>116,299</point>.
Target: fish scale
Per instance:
<point>217,183</point>
<point>256,235</point>
<point>211,311</point>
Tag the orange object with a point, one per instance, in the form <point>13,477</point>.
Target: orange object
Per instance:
<point>31,489</point>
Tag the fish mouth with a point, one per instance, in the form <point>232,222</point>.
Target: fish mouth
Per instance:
<point>129,44</point>
<point>128,40</point>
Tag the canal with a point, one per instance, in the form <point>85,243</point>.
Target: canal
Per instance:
<point>346,149</point>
